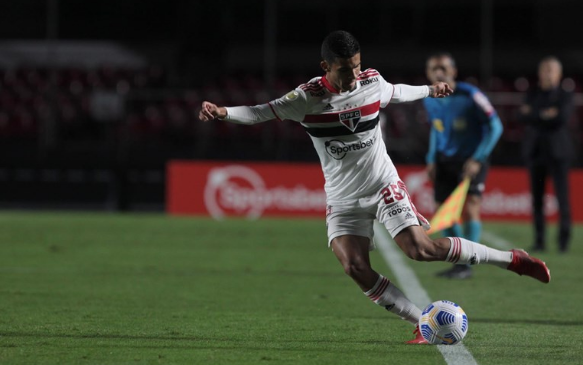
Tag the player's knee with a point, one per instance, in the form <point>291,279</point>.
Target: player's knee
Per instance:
<point>355,267</point>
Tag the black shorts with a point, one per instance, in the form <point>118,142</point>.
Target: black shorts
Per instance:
<point>448,175</point>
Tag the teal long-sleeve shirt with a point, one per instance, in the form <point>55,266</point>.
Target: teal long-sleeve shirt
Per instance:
<point>463,125</point>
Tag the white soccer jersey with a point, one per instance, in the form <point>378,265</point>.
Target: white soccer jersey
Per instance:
<point>344,127</point>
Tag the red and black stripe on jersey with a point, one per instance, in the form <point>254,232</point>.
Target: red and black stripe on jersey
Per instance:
<point>342,131</point>
<point>312,123</point>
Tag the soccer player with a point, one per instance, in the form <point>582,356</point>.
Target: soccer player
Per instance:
<point>340,112</point>
<point>464,130</point>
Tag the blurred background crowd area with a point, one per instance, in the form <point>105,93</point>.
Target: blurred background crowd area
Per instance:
<point>104,93</point>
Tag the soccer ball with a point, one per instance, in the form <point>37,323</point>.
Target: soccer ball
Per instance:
<point>443,323</point>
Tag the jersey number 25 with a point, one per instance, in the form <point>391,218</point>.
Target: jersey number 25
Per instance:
<point>392,193</point>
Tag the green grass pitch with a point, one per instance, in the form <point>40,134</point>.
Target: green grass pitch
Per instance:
<point>83,288</point>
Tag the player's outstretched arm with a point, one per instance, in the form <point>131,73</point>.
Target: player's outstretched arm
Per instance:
<point>439,90</point>
<point>210,111</point>
<point>404,93</point>
<point>248,115</point>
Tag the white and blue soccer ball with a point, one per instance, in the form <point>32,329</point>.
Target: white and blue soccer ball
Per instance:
<point>443,323</point>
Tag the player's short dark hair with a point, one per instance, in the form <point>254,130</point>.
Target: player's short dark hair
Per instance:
<point>441,54</point>
<point>339,44</point>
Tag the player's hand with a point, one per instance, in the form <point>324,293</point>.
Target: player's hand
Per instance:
<point>210,111</point>
<point>472,168</point>
<point>440,90</point>
<point>430,169</point>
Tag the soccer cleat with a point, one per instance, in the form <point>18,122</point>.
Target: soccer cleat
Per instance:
<point>524,264</point>
<point>456,272</point>
<point>418,340</point>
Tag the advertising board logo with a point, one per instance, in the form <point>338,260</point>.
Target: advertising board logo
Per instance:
<point>227,188</point>
<point>240,190</point>
<point>496,202</point>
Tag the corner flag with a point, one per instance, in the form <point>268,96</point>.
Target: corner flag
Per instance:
<point>450,211</point>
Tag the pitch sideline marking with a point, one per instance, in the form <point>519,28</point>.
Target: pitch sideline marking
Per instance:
<point>496,240</point>
<point>410,285</point>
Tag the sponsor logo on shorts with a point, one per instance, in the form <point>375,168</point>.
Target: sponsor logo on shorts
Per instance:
<point>328,210</point>
<point>338,149</point>
<point>399,210</point>
<point>408,216</point>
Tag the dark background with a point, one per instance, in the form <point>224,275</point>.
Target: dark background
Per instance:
<point>96,96</point>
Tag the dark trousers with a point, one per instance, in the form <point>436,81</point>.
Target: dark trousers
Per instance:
<point>559,171</point>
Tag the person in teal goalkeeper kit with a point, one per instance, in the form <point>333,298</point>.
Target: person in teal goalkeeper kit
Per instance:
<point>464,130</point>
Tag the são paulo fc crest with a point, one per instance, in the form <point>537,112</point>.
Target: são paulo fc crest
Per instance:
<point>350,119</point>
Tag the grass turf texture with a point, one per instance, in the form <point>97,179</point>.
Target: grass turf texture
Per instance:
<point>97,288</point>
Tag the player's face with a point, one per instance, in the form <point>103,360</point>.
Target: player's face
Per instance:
<point>549,74</point>
<point>342,73</point>
<point>441,69</point>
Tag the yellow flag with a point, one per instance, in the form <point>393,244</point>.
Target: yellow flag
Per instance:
<point>450,211</point>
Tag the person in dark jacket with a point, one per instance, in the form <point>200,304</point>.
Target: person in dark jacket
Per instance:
<point>547,147</point>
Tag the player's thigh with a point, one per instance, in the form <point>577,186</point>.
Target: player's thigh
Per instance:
<point>349,221</point>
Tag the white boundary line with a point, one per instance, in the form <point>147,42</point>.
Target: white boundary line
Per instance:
<point>410,285</point>
<point>496,240</point>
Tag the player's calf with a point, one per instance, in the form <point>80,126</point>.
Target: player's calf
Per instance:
<point>415,243</point>
<point>360,271</point>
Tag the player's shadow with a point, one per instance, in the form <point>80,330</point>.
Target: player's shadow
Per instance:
<point>544,322</point>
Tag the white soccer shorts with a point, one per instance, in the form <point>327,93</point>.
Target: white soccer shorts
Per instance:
<point>391,206</point>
